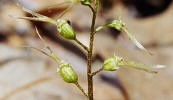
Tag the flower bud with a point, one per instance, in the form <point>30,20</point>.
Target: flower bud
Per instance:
<point>112,63</point>
<point>65,29</point>
<point>117,24</point>
<point>86,1</point>
<point>67,73</point>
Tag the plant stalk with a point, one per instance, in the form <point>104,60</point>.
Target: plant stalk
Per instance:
<point>89,57</point>
<point>81,44</point>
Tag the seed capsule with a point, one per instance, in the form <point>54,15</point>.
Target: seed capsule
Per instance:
<point>112,64</point>
<point>65,29</point>
<point>67,73</point>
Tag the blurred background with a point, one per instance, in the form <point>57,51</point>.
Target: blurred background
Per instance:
<point>26,74</point>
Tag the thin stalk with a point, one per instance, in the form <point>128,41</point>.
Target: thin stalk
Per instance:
<point>81,44</point>
<point>98,71</point>
<point>81,89</point>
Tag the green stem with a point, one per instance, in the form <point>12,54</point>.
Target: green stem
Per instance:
<point>99,28</point>
<point>80,88</point>
<point>81,44</point>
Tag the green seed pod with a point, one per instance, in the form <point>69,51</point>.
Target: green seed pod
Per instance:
<point>65,30</point>
<point>112,63</point>
<point>117,24</point>
<point>86,1</point>
<point>67,73</point>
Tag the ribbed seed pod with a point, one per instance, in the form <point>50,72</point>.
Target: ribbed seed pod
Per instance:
<point>67,73</point>
<point>65,30</point>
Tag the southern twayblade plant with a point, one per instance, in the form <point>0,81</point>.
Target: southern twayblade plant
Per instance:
<point>65,30</point>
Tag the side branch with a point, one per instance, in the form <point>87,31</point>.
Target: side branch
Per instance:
<point>81,44</point>
<point>98,71</point>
